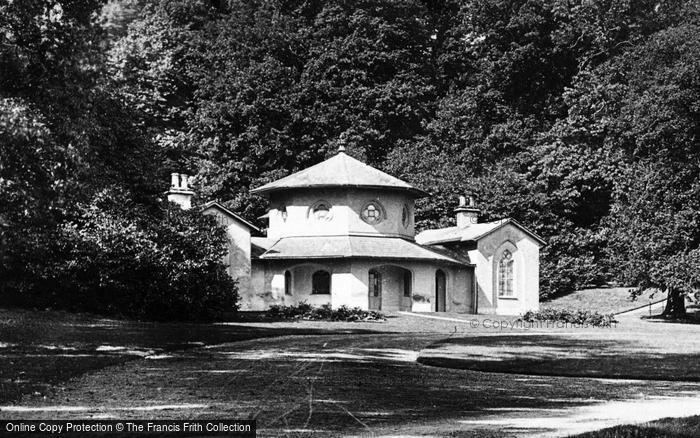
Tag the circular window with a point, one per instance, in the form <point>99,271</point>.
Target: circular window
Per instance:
<point>321,211</point>
<point>405,216</point>
<point>372,213</point>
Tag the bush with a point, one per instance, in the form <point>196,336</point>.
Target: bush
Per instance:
<point>122,259</point>
<point>325,312</point>
<point>277,311</point>
<point>580,317</point>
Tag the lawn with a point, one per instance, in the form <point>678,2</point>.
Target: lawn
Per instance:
<point>668,428</point>
<point>326,379</point>
<point>39,349</point>
<point>602,300</point>
<point>631,349</point>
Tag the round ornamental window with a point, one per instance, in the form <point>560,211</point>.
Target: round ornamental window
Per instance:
<point>405,216</point>
<point>372,213</point>
<point>321,211</point>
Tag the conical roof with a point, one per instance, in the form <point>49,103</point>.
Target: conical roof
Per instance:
<point>340,170</point>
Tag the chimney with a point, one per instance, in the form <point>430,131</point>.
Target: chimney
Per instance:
<point>467,214</point>
<point>179,192</point>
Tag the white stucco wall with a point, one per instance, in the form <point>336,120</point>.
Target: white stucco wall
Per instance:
<point>238,257</point>
<point>346,206</point>
<point>349,284</point>
<point>526,271</point>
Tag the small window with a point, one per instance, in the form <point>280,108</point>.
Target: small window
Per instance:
<point>287,283</point>
<point>375,283</point>
<point>505,275</point>
<point>321,283</point>
<point>406,283</point>
<point>283,212</point>
<point>372,213</point>
<point>321,211</point>
<point>405,216</point>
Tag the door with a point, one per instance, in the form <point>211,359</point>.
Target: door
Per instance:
<point>375,290</point>
<point>440,293</point>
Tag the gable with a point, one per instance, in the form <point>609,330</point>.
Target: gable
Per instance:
<point>226,217</point>
<point>507,233</point>
<point>473,233</point>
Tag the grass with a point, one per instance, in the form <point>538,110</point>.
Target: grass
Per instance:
<point>631,349</point>
<point>40,349</point>
<point>602,300</point>
<point>688,427</point>
<point>349,384</point>
<point>338,378</point>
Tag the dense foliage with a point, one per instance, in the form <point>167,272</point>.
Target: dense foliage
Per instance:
<point>325,312</point>
<point>81,224</point>
<point>578,118</point>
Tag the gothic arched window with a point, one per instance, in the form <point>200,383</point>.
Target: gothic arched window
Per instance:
<point>505,275</point>
<point>321,211</point>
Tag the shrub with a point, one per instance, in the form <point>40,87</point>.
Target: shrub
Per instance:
<point>278,311</point>
<point>580,317</point>
<point>325,312</point>
<point>120,258</point>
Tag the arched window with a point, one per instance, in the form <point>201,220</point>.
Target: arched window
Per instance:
<point>283,212</point>
<point>505,275</point>
<point>405,216</point>
<point>407,283</point>
<point>321,211</point>
<point>375,283</point>
<point>321,283</point>
<point>287,283</point>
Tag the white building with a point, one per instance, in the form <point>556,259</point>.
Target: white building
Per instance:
<point>342,233</point>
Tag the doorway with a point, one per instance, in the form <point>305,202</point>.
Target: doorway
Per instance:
<point>375,290</point>
<point>440,290</point>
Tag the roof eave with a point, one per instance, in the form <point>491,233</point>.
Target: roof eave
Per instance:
<point>504,222</point>
<point>265,191</point>
<point>342,256</point>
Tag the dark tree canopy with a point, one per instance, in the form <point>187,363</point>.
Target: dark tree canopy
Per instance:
<point>577,118</point>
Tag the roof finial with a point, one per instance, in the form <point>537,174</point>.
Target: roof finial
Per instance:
<point>341,142</point>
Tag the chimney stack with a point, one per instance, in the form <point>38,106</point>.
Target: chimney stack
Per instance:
<point>179,192</point>
<point>467,213</point>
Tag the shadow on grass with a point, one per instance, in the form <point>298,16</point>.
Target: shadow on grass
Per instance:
<point>692,317</point>
<point>339,389</point>
<point>560,356</point>
<point>39,349</point>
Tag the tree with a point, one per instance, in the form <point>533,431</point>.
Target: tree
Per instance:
<point>655,225</point>
<point>77,181</point>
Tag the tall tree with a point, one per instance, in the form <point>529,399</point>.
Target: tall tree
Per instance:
<point>78,177</point>
<point>655,225</point>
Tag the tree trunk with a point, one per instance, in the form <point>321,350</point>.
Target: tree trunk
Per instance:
<point>675,304</point>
